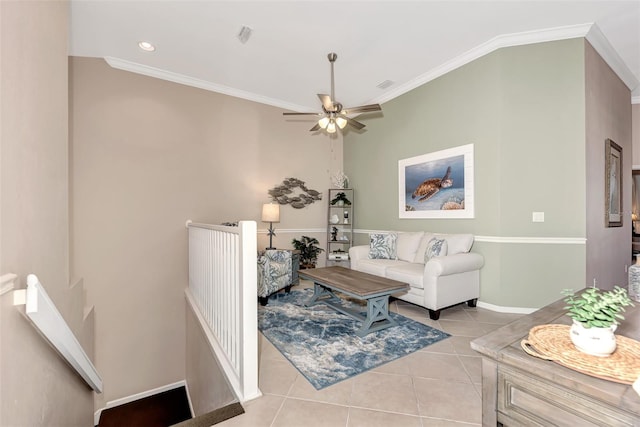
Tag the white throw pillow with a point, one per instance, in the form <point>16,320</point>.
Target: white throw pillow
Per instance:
<point>458,243</point>
<point>408,245</point>
<point>383,246</point>
<point>435,248</point>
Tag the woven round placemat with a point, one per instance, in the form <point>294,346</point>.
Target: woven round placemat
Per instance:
<point>552,342</point>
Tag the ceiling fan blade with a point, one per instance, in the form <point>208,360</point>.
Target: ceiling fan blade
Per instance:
<point>327,103</point>
<point>315,128</point>
<point>300,114</point>
<point>363,109</point>
<point>356,124</point>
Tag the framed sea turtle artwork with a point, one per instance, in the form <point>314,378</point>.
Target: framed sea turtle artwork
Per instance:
<point>437,185</point>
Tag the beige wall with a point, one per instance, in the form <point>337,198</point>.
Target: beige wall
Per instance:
<point>36,386</point>
<point>147,155</point>
<point>608,115</point>
<point>208,387</point>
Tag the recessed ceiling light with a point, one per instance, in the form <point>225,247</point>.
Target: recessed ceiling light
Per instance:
<point>146,46</point>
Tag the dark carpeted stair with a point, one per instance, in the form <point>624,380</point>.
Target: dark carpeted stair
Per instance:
<point>162,410</point>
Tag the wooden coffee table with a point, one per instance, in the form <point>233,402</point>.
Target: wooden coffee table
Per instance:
<point>361,286</point>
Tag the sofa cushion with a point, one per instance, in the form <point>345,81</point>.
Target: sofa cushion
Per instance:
<point>411,273</point>
<point>419,258</point>
<point>457,243</point>
<point>378,267</point>
<point>383,246</point>
<point>435,248</point>
<point>407,245</point>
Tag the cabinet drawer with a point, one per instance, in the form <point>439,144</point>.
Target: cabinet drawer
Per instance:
<point>529,401</point>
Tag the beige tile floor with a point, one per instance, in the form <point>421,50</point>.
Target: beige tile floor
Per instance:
<point>439,385</point>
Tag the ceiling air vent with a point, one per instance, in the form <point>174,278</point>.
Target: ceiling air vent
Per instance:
<point>385,84</point>
<point>244,34</point>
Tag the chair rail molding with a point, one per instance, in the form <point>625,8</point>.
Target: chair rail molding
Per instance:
<point>505,239</point>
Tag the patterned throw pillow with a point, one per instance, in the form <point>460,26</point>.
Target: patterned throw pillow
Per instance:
<point>383,246</point>
<point>435,248</point>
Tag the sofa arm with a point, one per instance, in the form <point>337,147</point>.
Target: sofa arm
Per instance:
<point>356,253</point>
<point>452,264</point>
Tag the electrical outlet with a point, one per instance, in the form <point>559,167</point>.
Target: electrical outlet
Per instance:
<point>537,217</point>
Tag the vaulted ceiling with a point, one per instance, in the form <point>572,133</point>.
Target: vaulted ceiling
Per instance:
<point>395,44</point>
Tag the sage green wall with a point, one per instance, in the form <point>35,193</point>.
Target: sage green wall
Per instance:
<point>523,109</point>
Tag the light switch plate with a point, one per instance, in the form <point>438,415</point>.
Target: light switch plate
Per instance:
<point>537,217</point>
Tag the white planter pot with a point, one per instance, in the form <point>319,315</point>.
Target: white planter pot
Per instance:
<point>599,342</point>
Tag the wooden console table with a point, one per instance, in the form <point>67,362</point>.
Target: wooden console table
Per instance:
<point>519,389</point>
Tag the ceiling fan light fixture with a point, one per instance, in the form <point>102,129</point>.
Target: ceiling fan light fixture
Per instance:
<point>323,122</point>
<point>341,122</point>
<point>333,115</point>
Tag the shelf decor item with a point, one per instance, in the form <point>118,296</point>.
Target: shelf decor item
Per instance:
<point>340,180</point>
<point>340,199</point>
<point>596,315</point>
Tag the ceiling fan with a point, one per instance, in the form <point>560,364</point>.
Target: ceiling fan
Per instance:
<point>333,115</point>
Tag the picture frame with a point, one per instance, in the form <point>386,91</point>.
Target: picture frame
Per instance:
<point>422,192</point>
<point>613,184</point>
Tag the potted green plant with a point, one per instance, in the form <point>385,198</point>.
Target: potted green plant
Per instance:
<point>340,199</point>
<point>309,251</point>
<point>596,314</point>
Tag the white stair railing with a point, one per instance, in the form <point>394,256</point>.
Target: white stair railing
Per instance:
<point>46,318</point>
<point>223,292</point>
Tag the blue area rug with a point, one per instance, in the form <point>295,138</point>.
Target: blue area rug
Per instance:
<point>321,342</point>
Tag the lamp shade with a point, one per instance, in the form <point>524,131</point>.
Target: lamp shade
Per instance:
<point>270,212</point>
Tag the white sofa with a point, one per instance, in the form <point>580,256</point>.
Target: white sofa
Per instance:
<point>441,282</point>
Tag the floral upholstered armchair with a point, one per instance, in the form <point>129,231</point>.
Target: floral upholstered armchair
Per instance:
<point>274,272</point>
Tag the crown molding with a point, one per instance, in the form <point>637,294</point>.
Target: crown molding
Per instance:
<point>611,57</point>
<point>137,68</point>
<point>498,42</point>
<point>590,31</point>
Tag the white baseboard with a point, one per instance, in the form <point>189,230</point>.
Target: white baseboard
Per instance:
<point>193,413</point>
<point>501,309</point>
<point>141,395</point>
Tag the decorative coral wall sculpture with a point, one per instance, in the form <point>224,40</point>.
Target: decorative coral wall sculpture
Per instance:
<point>281,194</point>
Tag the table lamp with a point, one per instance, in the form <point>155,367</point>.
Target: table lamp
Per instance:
<point>270,214</point>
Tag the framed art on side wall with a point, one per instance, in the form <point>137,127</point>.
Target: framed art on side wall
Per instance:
<point>437,185</point>
<point>613,184</point>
